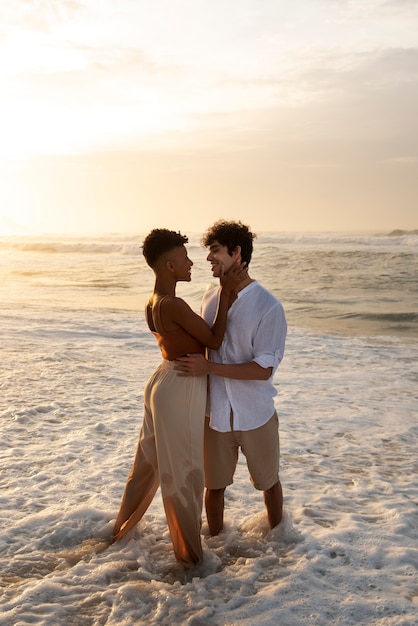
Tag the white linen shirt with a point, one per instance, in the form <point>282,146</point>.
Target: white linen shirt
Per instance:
<point>255,331</point>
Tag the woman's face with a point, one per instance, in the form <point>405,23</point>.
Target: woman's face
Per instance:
<point>180,263</point>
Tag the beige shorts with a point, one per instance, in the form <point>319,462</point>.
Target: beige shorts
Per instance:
<point>261,448</point>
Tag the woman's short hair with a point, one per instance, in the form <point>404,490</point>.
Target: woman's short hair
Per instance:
<point>159,241</point>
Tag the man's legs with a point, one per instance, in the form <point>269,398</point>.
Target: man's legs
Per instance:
<point>214,504</point>
<point>262,450</point>
<point>273,499</point>
<point>221,456</point>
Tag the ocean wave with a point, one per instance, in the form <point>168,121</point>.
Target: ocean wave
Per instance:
<point>402,233</point>
<point>132,245</point>
<point>400,318</point>
<point>393,239</point>
<point>75,246</point>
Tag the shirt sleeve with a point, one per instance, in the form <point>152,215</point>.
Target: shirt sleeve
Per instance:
<point>270,338</point>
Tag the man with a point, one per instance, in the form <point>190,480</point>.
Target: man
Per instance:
<point>241,391</point>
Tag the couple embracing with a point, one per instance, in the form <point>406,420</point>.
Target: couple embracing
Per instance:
<point>213,393</point>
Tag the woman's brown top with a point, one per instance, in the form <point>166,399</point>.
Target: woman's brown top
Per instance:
<point>173,343</point>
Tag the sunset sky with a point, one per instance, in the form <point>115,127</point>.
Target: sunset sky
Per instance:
<point>122,115</point>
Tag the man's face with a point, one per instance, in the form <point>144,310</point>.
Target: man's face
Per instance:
<point>218,256</point>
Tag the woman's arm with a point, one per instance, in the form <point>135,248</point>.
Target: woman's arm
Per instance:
<point>179,312</point>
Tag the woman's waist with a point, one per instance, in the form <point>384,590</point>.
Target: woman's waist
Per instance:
<point>169,364</point>
<point>178,345</point>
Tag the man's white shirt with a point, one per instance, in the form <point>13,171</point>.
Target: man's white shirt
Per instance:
<point>256,331</point>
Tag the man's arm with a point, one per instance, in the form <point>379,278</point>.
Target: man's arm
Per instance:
<point>197,365</point>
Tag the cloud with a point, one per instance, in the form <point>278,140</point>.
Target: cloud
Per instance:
<point>249,72</point>
<point>399,5</point>
<point>38,15</point>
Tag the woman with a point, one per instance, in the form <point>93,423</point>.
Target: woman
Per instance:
<point>170,446</point>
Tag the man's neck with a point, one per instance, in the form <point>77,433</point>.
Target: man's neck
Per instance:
<point>244,284</point>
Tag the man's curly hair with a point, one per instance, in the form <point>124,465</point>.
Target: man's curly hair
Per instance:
<point>231,235</point>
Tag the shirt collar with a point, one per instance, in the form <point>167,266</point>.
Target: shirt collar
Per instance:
<point>246,289</point>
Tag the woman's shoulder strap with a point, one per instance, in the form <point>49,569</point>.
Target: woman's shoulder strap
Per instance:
<point>156,314</point>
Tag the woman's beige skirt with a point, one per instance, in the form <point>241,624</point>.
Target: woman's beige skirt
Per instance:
<point>169,454</point>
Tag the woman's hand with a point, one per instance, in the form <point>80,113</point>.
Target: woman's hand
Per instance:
<point>237,273</point>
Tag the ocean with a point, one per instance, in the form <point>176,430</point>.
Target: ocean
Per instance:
<point>76,355</point>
